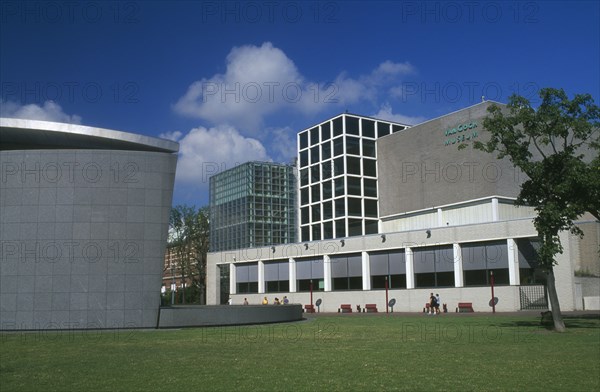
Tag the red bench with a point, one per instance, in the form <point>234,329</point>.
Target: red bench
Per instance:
<point>464,307</point>
<point>371,308</point>
<point>309,308</point>
<point>345,308</point>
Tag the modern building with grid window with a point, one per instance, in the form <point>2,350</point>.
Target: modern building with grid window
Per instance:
<point>252,205</point>
<point>396,212</point>
<point>338,176</point>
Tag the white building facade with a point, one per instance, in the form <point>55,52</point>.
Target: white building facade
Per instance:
<point>445,224</point>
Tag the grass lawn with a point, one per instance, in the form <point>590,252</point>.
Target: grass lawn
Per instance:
<point>326,352</point>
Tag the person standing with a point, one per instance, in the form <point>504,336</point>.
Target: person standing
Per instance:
<point>437,303</point>
<point>431,303</point>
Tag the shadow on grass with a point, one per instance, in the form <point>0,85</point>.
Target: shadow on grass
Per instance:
<point>591,321</point>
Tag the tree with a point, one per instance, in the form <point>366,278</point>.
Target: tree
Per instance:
<point>190,239</point>
<point>556,146</point>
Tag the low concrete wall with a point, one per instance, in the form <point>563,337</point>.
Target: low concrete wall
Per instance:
<point>591,303</point>
<point>196,316</point>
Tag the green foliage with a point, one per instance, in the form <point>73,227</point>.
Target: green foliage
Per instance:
<point>556,146</point>
<point>189,237</point>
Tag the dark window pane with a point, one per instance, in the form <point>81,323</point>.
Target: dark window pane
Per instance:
<point>325,131</point>
<point>340,228</point>
<point>425,280</point>
<point>314,136</point>
<point>383,129</point>
<point>338,146</point>
<point>303,140</point>
<point>303,158</point>
<point>353,165</point>
<point>314,155</point>
<point>338,166</point>
<point>397,282</point>
<point>305,233</point>
<point>396,128</point>
<point>327,230</point>
<point>354,206</point>
<point>354,186</point>
<point>370,167</point>
<point>316,232</point>
<point>371,208</point>
<point>327,210</point>
<point>326,150</point>
<point>368,128</point>
<point>445,279</point>
<point>327,191</point>
<point>352,125</point>
<point>354,227</point>
<point>326,169</point>
<point>304,196</point>
<point>303,177</point>
<point>316,193</point>
<point>370,187</point>
<point>368,148</point>
<point>315,175</point>
<point>371,227</point>
<point>316,212</point>
<point>339,186</point>
<point>340,208</point>
<point>305,216</point>
<point>340,283</point>
<point>352,145</point>
<point>338,126</point>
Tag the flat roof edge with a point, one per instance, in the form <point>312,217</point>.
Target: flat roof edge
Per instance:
<point>92,132</point>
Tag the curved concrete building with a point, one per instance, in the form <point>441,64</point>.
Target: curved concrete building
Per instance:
<point>83,225</point>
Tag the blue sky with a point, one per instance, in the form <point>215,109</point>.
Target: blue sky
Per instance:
<point>235,81</point>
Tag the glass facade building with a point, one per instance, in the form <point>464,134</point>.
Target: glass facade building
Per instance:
<point>252,205</point>
<point>338,177</point>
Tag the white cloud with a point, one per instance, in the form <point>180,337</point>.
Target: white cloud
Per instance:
<point>385,113</point>
<point>257,81</point>
<point>260,80</point>
<point>49,111</point>
<point>174,135</point>
<point>282,144</point>
<point>204,152</point>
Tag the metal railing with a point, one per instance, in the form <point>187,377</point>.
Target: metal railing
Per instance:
<point>533,297</point>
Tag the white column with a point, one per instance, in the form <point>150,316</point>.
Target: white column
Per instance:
<point>261,277</point>
<point>410,269</point>
<point>458,266</point>
<point>232,279</point>
<point>366,271</point>
<point>494,209</point>
<point>327,272</point>
<point>292,274</point>
<point>440,217</point>
<point>514,275</point>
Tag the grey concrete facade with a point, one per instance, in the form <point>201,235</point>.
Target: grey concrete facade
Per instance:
<point>424,168</point>
<point>83,226</point>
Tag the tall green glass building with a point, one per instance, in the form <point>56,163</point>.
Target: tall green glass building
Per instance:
<point>252,205</point>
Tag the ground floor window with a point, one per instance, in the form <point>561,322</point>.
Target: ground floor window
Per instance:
<point>310,270</point>
<point>434,266</point>
<point>246,278</point>
<point>346,272</point>
<point>480,259</point>
<point>277,276</point>
<point>390,265</point>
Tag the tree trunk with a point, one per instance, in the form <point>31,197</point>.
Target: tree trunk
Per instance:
<point>559,325</point>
